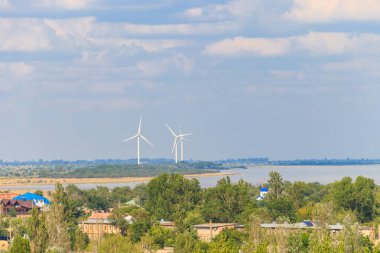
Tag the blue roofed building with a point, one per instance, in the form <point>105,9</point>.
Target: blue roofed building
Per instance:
<point>36,199</point>
<point>263,192</point>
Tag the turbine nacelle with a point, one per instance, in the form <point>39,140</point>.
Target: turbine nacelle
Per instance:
<point>138,136</point>
<point>178,139</point>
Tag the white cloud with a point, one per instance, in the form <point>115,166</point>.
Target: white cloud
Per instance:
<point>314,43</point>
<point>326,43</point>
<point>252,46</point>
<point>234,8</point>
<point>179,29</point>
<point>4,4</point>
<point>97,104</point>
<point>15,68</point>
<point>23,35</point>
<point>11,73</point>
<point>333,10</point>
<point>66,4</point>
<point>148,45</point>
<point>85,33</point>
<point>194,12</point>
<point>175,64</point>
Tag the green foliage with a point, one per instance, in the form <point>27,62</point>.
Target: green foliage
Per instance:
<point>193,217</point>
<point>227,201</point>
<point>170,196</point>
<point>118,244</point>
<point>186,243</point>
<point>132,170</point>
<point>39,192</point>
<point>81,241</point>
<point>298,242</point>
<point>20,245</point>
<point>37,231</point>
<point>358,197</point>
<point>276,186</point>
<point>223,244</point>
<point>280,207</point>
<point>99,198</point>
<point>173,197</point>
<point>161,237</point>
<point>57,227</point>
<point>364,195</point>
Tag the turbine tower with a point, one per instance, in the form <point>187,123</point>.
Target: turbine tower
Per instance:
<point>178,138</point>
<point>139,136</point>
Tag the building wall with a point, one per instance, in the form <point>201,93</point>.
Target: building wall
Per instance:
<point>206,234</point>
<point>98,230</point>
<point>4,245</point>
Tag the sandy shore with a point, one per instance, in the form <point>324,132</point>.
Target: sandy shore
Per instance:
<point>50,181</point>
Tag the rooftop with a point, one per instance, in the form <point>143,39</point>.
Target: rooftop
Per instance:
<point>214,225</point>
<point>99,216</point>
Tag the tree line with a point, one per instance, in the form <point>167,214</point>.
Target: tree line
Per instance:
<point>173,197</point>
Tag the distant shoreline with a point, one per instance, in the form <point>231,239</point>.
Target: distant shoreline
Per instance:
<point>15,181</point>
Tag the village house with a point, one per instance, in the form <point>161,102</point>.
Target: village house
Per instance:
<point>36,199</point>
<point>15,207</point>
<point>98,225</point>
<point>334,228</point>
<point>206,232</point>
<point>8,195</point>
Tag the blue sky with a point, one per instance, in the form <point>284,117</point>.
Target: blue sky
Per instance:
<point>284,79</point>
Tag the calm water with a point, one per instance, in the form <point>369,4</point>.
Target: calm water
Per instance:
<point>257,175</point>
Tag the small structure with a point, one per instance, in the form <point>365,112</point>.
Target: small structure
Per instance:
<point>8,195</point>
<point>263,192</point>
<point>98,225</point>
<point>4,244</point>
<point>37,200</point>
<point>132,202</point>
<point>15,207</point>
<point>167,224</point>
<point>206,232</point>
<point>300,226</point>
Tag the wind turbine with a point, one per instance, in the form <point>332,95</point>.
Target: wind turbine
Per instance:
<point>138,136</point>
<point>178,138</point>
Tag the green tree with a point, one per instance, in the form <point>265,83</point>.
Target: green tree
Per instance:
<point>280,207</point>
<point>162,237</point>
<point>364,198</point>
<point>223,244</point>
<point>342,192</point>
<point>276,185</point>
<point>118,244</point>
<point>297,193</point>
<point>37,231</point>
<point>351,235</point>
<point>170,196</point>
<point>298,242</point>
<point>227,201</point>
<point>57,228</point>
<point>81,241</point>
<point>20,245</point>
<point>39,192</point>
<point>185,243</point>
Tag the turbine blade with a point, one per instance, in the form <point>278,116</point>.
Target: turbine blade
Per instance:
<point>183,135</point>
<point>134,136</point>
<point>174,144</point>
<point>139,131</point>
<point>180,131</point>
<point>171,130</point>
<point>142,137</point>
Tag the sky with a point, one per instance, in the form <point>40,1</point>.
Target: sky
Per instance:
<point>283,79</point>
